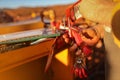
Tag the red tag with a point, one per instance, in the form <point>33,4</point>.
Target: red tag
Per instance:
<point>87,50</point>
<point>77,37</point>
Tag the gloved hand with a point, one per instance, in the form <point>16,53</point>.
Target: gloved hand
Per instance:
<point>90,36</point>
<point>97,10</point>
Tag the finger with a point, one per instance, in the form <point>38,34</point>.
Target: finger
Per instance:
<point>73,48</point>
<point>99,44</point>
<point>78,52</point>
<point>65,36</point>
<point>67,40</point>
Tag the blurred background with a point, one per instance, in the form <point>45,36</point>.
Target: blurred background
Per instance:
<point>14,10</point>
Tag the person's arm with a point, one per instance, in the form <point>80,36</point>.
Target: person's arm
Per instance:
<point>106,12</point>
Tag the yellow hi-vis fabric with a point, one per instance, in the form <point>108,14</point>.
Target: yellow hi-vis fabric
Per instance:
<point>116,39</point>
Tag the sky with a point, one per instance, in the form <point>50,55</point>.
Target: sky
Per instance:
<point>32,3</point>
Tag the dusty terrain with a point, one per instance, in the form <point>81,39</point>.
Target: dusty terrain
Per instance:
<point>25,13</point>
